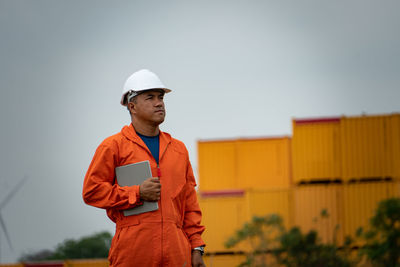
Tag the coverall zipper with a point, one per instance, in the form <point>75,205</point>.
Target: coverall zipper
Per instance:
<point>161,210</point>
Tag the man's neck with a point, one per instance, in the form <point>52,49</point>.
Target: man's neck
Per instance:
<point>146,129</point>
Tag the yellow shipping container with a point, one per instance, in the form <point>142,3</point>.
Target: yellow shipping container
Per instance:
<point>222,216</point>
<point>309,202</point>
<point>265,202</point>
<point>223,260</point>
<point>393,145</point>
<point>361,201</point>
<point>263,163</point>
<point>87,263</point>
<point>217,165</point>
<point>11,265</point>
<point>234,260</point>
<point>244,164</point>
<point>316,149</point>
<point>364,147</point>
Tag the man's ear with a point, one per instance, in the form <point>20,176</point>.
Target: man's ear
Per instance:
<point>131,107</point>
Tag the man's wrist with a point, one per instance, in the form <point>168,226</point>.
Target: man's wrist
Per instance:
<point>200,249</point>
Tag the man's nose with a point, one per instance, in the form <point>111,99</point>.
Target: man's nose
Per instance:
<point>159,103</point>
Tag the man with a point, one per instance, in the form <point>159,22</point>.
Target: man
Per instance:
<point>171,235</point>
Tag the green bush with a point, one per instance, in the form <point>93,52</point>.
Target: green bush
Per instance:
<point>382,240</point>
<point>298,249</point>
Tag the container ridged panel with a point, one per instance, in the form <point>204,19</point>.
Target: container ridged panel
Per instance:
<point>393,145</point>
<point>45,264</point>
<point>235,260</point>
<point>316,151</point>
<point>223,260</point>
<point>263,163</point>
<point>217,165</point>
<point>264,202</point>
<point>87,263</point>
<point>364,147</point>
<point>222,216</point>
<point>308,203</point>
<point>361,200</point>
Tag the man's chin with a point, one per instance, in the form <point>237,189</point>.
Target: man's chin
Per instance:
<point>159,120</point>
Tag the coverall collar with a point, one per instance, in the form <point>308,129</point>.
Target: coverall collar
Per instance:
<point>130,133</point>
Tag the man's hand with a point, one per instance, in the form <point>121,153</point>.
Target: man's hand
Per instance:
<point>150,189</point>
<point>197,259</point>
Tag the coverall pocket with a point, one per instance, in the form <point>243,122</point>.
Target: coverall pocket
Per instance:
<point>185,237</point>
<point>119,243</point>
<point>114,243</point>
<point>181,248</point>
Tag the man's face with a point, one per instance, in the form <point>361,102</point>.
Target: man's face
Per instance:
<point>149,107</point>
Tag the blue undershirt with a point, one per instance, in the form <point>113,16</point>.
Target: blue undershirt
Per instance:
<point>153,144</point>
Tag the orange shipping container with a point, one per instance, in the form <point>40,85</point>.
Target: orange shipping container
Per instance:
<point>364,147</point>
<point>316,149</point>
<point>308,204</point>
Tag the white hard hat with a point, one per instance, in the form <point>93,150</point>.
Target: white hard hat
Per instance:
<point>140,81</point>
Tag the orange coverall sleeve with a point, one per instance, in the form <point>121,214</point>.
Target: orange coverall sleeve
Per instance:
<point>192,217</point>
<point>99,188</point>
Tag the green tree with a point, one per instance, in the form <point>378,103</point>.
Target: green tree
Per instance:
<point>262,234</point>
<point>36,256</point>
<point>382,246</point>
<point>93,246</point>
<point>289,248</point>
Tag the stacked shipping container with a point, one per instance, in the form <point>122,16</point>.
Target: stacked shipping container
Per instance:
<point>316,150</point>
<point>361,153</point>
<point>260,168</point>
<point>364,147</point>
<point>393,145</point>
<point>344,165</point>
<point>262,163</point>
<point>346,149</point>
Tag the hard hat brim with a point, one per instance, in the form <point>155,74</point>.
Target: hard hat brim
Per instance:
<point>123,102</point>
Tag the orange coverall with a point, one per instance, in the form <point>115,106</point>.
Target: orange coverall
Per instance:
<point>164,237</point>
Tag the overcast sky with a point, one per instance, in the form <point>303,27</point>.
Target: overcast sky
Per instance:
<point>237,69</point>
